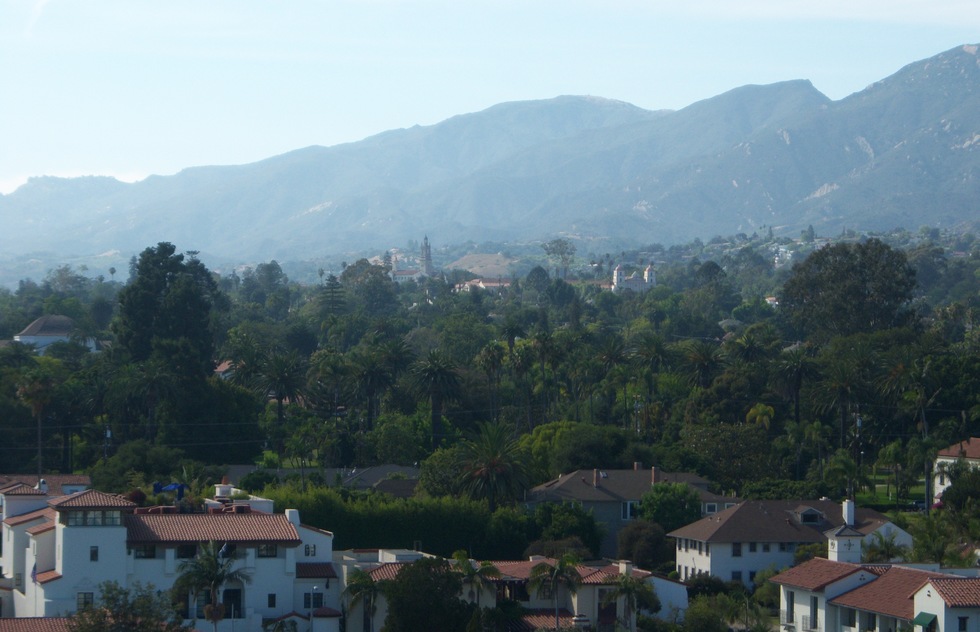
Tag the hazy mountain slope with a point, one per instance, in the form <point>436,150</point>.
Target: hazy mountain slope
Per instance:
<point>902,152</point>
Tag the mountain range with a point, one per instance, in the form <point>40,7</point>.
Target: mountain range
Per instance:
<point>905,152</point>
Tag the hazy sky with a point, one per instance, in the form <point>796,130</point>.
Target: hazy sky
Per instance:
<point>131,88</point>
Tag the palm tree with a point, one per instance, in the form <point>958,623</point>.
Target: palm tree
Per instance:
<point>36,389</point>
<point>476,576</point>
<point>492,466</point>
<point>282,376</point>
<point>761,414</point>
<point>883,549</point>
<point>636,594</point>
<point>210,570</point>
<point>491,359</point>
<point>702,359</point>
<point>794,367</point>
<point>361,588</point>
<point>436,377</point>
<point>553,576</point>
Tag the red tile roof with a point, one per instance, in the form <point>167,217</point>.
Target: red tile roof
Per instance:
<point>254,528</point>
<point>889,595</point>
<point>48,576</point>
<point>16,488</point>
<point>543,619</point>
<point>324,612</point>
<point>41,528</point>
<point>958,592</point>
<point>35,624</point>
<point>41,514</point>
<point>968,449</point>
<point>91,499</point>
<point>315,570</point>
<point>387,570</point>
<point>815,574</point>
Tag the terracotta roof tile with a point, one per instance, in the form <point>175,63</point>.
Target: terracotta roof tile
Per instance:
<point>542,619</point>
<point>324,612</point>
<point>889,595</point>
<point>41,528</point>
<point>44,577</point>
<point>958,592</point>
<point>315,570</point>
<point>41,514</point>
<point>91,499</point>
<point>388,570</point>
<point>16,488</point>
<point>217,527</point>
<point>968,449</point>
<point>815,574</point>
<point>35,624</point>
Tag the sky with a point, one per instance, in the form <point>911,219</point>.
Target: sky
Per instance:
<point>130,88</point>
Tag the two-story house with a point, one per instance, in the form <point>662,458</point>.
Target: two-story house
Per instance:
<point>613,496</point>
<point>738,542</point>
<point>966,452</point>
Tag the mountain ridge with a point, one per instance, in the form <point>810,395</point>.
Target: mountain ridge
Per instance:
<point>781,155</point>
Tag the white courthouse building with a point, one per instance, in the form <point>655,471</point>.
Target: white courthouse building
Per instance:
<point>57,550</point>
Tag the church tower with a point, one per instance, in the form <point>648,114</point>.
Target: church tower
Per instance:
<point>426,258</point>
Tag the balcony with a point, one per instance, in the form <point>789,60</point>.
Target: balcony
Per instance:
<point>810,622</point>
<point>787,617</point>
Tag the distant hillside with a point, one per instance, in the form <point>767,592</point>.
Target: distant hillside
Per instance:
<point>903,152</point>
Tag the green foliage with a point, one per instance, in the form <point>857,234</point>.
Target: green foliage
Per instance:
<point>118,609</point>
<point>425,596</point>
<point>644,543</point>
<point>671,505</point>
<point>704,615</point>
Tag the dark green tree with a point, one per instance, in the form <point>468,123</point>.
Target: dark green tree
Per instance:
<point>492,465</point>
<point>847,288</point>
<point>671,505</point>
<point>140,607</point>
<point>425,596</point>
<point>436,378</point>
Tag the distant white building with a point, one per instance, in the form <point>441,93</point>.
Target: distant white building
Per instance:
<point>48,330</point>
<point>634,282</point>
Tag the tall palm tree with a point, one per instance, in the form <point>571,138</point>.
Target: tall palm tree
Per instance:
<point>475,576</point>
<point>636,594</point>
<point>210,570</point>
<point>491,360</point>
<point>793,367</point>
<point>492,466</point>
<point>282,376</point>
<point>702,359</point>
<point>36,389</point>
<point>436,377</point>
<point>361,588</point>
<point>562,573</point>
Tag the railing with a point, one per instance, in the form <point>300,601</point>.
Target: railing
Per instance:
<point>786,617</point>
<point>810,623</point>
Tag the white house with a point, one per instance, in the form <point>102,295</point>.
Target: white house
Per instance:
<point>754,535</point>
<point>634,282</point>
<point>48,330</point>
<point>966,452</point>
<point>57,550</point>
<point>948,604</point>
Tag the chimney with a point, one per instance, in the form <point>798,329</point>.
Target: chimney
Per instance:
<point>636,466</point>
<point>293,516</point>
<point>595,477</point>
<point>653,476</point>
<point>42,485</point>
<point>625,567</point>
<point>848,512</point>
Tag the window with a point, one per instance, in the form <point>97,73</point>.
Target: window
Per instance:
<point>813,611</point>
<point>736,576</point>
<point>93,553</point>
<point>272,600</point>
<point>232,600</point>
<point>782,547</point>
<point>961,625</point>
<point>809,517</point>
<point>752,547</point>
<point>203,599</point>
<point>710,508</point>
<point>309,550</point>
<point>84,600</point>
<point>707,548</point>
<point>145,552</point>
<point>112,518</point>
<point>765,547</point>
<point>699,547</point>
<point>790,606</point>
<point>312,600</point>
<point>629,509</point>
<point>267,550</point>
<point>76,518</point>
<point>736,549</point>
<point>870,621</point>
<point>93,518</point>
<point>186,551</point>
<point>752,576</point>
<point>849,617</point>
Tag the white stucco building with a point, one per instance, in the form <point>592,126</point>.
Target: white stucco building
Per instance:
<point>57,550</point>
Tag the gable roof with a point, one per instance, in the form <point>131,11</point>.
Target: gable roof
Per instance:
<point>890,594</point>
<point>967,449</point>
<point>777,521</point>
<point>56,482</point>
<point>815,574</point>
<point>958,592</point>
<point>238,528</point>
<point>91,499</point>
<point>49,325</point>
<point>16,488</point>
<point>611,485</point>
